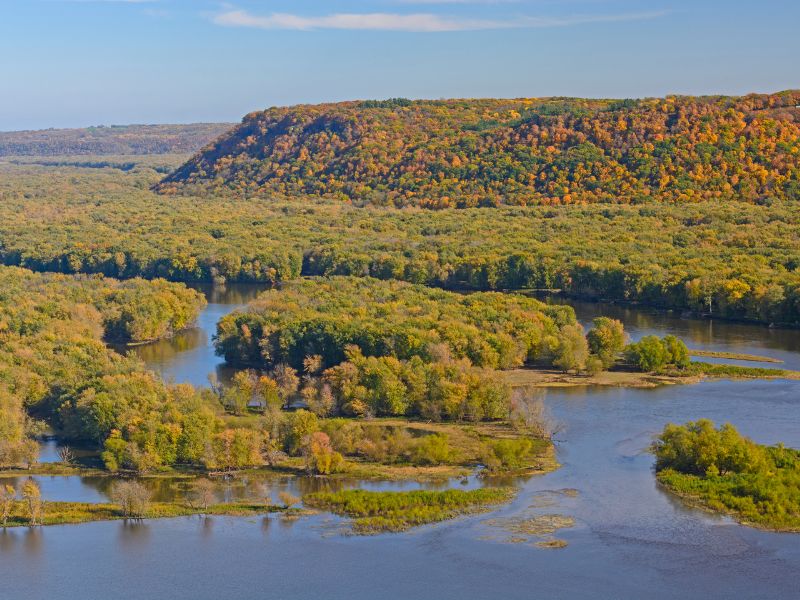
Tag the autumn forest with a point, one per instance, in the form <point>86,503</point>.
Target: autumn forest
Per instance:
<point>402,246</point>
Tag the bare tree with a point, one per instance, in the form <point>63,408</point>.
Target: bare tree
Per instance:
<point>528,411</point>
<point>133,498</point>
<point>66,455</point>
<point>204,493</point>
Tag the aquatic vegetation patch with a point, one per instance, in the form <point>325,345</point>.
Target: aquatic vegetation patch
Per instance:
<point>734,356</point>
<point>63,513</point>
<point>553,543</point>
<point>534,526</point>
<point>731,371</point>
<point>376,512</point>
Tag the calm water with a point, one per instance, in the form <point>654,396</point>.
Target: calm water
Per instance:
<point>630,539</point>
<point>189,357</point>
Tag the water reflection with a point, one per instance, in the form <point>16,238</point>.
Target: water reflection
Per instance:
<point>189,357</point>
<point>134,534</point>
<point>708,334</point>
<point>33,541</point>
<point>251,487</point>
<point>206,526</point>
<point>266,523</point>
<point>8,538</point>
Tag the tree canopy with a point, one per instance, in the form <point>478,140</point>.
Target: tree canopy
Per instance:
<point>463,153</point>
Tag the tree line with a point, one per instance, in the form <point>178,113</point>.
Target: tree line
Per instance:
<point>127,139</point>
<point>376,348</point>
<point>731,260</point>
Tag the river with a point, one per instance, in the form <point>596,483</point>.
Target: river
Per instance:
<point>631,540</point>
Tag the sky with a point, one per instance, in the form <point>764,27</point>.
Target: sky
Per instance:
<point>75,63</point>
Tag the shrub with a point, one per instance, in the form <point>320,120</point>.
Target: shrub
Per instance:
<point>321,458</point>
<point>509,454</point>
<point>432,449</point>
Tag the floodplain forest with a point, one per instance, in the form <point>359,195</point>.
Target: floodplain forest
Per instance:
<point>404,243</point>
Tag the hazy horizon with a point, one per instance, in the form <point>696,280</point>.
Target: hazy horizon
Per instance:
<point>238,120</point>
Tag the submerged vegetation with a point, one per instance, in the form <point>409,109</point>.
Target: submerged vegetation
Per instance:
<point>376,512</point>
<point>724,471</point>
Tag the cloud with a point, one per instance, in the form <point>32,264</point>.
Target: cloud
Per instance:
<point>419,22</point>
<point>422,22</point>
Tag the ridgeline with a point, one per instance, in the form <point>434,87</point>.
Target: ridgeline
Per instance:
<point>537,151</point>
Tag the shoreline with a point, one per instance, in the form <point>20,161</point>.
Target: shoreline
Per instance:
<point>696,501</point>
<point>734,356</point>
<point>77,513</point>
<point>696,373</point>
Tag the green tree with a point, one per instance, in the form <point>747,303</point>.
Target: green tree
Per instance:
<point>697,448</point>
<point>677,352</point>
<point>572,349</point>
<point>648,354</point>
<point>606,339</point>
<point>299,427</point>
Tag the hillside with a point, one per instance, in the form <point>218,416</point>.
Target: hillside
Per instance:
<point>113,140</point>
<point>528,151</point>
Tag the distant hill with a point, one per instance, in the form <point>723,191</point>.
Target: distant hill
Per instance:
<point>113,140</point>
<point>526,151</point>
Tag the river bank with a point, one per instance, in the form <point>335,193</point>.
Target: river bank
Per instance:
<point>695,373</point>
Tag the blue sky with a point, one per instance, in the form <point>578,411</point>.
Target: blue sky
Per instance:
<point>72,63</point>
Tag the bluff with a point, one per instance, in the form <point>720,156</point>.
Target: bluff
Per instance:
<point>464,153</point>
